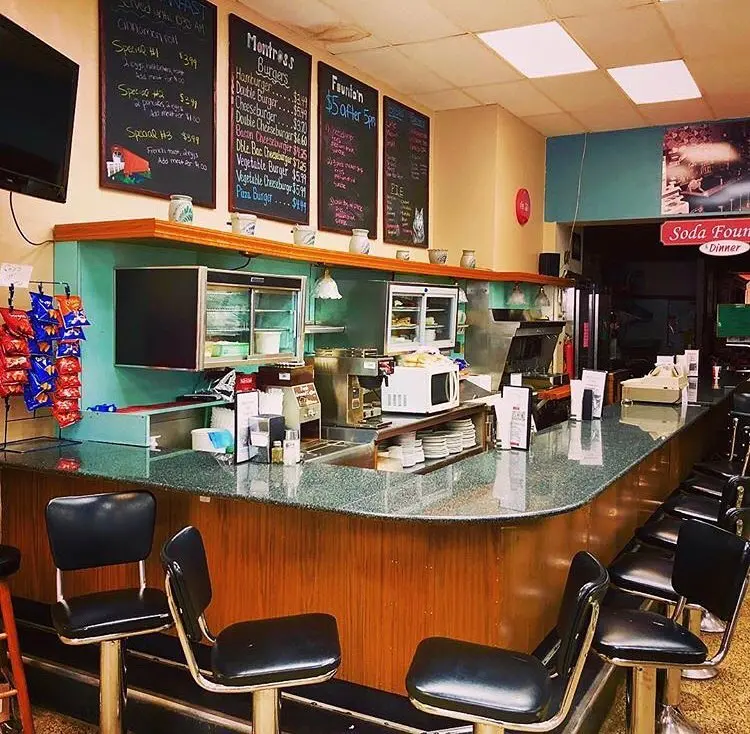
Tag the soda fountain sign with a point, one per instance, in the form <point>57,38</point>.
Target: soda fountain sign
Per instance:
<point>718,237</point>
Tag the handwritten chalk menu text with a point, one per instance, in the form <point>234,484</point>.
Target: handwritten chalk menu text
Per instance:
<point>406,174</point>
<point>347,153</point>
<point>269,127</point>
<point>158,77</point>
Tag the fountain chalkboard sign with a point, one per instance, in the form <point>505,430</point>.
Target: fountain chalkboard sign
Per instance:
<point>347,153</point>
<point>158,78</point>
<point>406,174</point>
<point>269,125</point>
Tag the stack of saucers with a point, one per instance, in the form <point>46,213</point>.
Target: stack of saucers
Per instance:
<point>435,447</point>
<point>468,432</point>
<point>411,447</point>
<point>453,439</point>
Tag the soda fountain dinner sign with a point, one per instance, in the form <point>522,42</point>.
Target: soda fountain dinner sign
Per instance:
<point>719,237</point>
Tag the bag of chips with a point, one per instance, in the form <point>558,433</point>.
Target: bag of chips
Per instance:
<point>45,332</point>
<point>68,366</point>
<point>66,419</point>
<point>74,333</point>
<point>69,349</point>
<point>9,376</point>
<point>17,321</point>
<point>65,406</point>
<point>40,384</point>
<point>36,399</point>
<point>66,393</point>
<point>43,308</point>
<point>66,381</point>
<point>43,367</point>
<point>13,361</point>
<point>12,344</point>
<point>11,388</point>
<point>40,347</point>
<point>71,309</point>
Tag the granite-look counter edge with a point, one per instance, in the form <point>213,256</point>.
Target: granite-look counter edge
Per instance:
<point>568,466</point>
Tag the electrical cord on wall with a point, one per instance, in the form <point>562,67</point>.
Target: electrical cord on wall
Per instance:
<point>18,226</point>
<point>578,193</point>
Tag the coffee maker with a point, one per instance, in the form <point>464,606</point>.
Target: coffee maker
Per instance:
<point>349,383</point>
<point>301,404</point>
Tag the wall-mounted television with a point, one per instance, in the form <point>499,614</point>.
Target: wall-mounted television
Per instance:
<point>38,88</point>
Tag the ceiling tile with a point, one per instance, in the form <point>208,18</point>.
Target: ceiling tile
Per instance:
<point>389,65</point>
<point>449,99</point>
<point>667,113</point>
<point>335,47</point>
<point>571,8</point>
<point>519,98</point>
<point>484,15</point>
<point>707,28</point>
<point>730,105</point>
<point>718,75</point>
<point>610,117</point>
<point>581,91</point>
<point>463,60</point>
<point>396,21</point>
<point>293,12</point>
<point>557,124</point>
<point>624,37</point>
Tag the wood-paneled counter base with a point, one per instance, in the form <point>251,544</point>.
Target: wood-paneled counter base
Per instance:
<point>388,582</point>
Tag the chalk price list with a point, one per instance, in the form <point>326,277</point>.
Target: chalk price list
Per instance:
<point>270,126</point>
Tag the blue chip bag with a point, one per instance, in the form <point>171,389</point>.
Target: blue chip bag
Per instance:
<point>69,349</point>
<point>36,398</point>
<point>43,367</point>
<point>74,333</point>
<point>71,309</point>
<point>42,308</point>
<point>38,384</point>
<point>41,347</point>
<point>45,332</point>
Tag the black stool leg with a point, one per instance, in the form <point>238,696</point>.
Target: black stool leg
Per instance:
<point>111,687</point>
<point>266,711</point>
<point>643,702</point>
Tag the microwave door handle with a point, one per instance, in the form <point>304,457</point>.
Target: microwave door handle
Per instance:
<point>455,385</point>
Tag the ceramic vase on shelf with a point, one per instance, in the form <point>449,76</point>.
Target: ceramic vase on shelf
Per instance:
<point>438,257</point>
<point>303,235</point>
<point>468,259</point>
<point>181,209</point>
<point>359,243</point>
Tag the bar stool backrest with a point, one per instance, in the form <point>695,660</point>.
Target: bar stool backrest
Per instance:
<point>711,567</point>
<point>95,530</point>
<point>584,590</point>
<point>736,493</point>
<point>184,560</point>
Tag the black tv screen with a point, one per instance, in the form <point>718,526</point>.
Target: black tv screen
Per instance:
<point>38,96</point>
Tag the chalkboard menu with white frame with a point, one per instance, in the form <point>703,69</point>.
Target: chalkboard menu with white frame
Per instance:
<point>347,153</point>
<point>269,125</point>
<point>158,80</point>
<point>406,175</point>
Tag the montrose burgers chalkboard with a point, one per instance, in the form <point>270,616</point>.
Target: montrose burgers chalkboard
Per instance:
<point>269,125</point>
<point>158,78</point>
<point>347,153</point>
<point>406,174</point>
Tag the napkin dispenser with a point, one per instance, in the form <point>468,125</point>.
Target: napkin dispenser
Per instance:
<point>664,384</point>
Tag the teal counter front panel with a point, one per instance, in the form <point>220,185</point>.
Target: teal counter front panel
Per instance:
<point>620,178</point>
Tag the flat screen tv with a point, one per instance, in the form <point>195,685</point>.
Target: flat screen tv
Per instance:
<point>38,88</point>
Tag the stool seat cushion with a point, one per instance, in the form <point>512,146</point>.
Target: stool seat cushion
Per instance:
<point>705,484</point>
<point>685,504</point>
<point>117,613</point>
<point>10,560</point>
<point>479,681</point>
<point>661,531</point>
<point>722,468</point>
<point>644,572</point>
<point>647,637</point>
<point>274,651</point>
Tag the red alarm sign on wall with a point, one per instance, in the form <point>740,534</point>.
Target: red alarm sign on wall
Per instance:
<point>523,206</point>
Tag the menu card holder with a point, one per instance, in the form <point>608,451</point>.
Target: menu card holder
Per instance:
<point>520,422</point>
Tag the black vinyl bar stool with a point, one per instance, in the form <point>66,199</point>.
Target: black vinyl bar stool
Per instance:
<point>711,571</point>
<point>94,531</point>
<point>495,689</point>
<point>738,456</point>
<point>258,657</point>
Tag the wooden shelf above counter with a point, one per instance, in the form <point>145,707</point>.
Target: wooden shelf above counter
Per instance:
<point>159,231</point>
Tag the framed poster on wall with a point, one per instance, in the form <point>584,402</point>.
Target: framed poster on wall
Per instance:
<point>157,96</point>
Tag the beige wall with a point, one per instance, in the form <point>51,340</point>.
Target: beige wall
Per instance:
<point>482,156</point>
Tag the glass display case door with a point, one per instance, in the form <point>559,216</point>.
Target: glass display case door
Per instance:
<point>227,324</point>
<point>440,320</point>
<point>405,319</point>
<point>274,322</point>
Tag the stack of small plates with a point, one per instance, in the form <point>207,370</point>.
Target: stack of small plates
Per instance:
<point>467,430</point>
<point>453,439</point>
<point>411,448</point>
<point>435,447</point>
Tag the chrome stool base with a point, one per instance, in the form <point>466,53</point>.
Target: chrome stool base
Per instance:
<point>699,673</point>
<point>673,721</point>
<point>711,624</point>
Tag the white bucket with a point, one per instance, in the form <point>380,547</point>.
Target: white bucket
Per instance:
<point>268,342</point>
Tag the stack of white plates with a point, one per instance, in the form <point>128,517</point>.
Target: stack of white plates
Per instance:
<point>411,449</point>
<point>435,447</point>
<point>453,439</point>
<point>467,430</point>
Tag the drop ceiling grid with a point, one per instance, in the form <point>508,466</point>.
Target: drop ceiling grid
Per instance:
<point>427,49</point>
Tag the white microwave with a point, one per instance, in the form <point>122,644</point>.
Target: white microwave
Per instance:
<point>427,389</point>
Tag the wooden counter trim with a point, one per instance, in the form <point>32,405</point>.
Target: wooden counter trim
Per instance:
<point>389,584</point>
<point>159,231</point>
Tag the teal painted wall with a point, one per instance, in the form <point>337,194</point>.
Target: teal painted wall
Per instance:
<point>620,180</point>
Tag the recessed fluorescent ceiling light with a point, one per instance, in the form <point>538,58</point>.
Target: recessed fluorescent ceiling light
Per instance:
<point>667,81</point>
<point>544,49</point>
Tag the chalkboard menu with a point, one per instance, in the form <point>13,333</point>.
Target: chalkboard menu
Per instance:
<point>269,125</point>
<point>158,78</point>
<point>347,153</point>
<point>406,174</point>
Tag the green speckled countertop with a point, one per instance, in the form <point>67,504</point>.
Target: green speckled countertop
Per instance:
<point>568,465</point>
